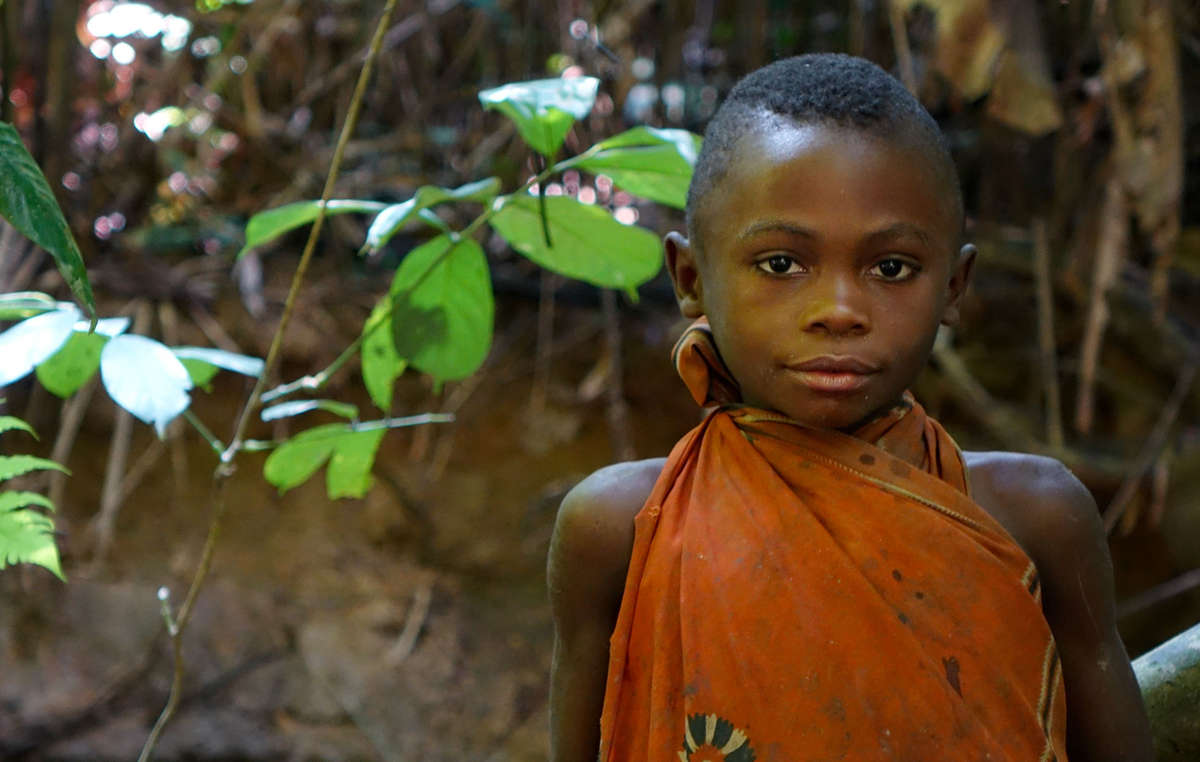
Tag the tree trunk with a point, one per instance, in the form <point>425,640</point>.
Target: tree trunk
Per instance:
<point>1170,680</point>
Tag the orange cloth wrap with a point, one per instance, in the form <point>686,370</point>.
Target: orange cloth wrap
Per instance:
<point>797,594</point>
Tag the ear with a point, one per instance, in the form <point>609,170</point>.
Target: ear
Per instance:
<point>960,276</point>
<point>685,274</point>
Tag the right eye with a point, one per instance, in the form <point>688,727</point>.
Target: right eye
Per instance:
<point>780,264</point>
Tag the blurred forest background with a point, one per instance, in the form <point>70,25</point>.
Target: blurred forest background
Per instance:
<point>413,624</point>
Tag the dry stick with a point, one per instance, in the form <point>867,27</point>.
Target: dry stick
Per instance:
<point>118,456</point>
<point>618,408</point>
<point>1046,343</point>
<point>73,410</point>
<point>1154,444</point>
<point>908,74</point>
<point>1110,253</point>
<point>1159,593</point>
<point>225,469</point>
<point>545,343</point>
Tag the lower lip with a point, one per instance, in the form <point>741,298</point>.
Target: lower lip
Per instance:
<point>832,383</point>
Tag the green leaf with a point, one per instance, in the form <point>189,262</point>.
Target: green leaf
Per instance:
<point>27,202</point>
<point>589,244</point>
<point>11,422</point>
<point>70,367</point>
<point>544,109</point>
<point>269,225</point>
<point>686,144</point>
<point>381,365</point>
<point>350,454</point>
<point>442,319</point>
<point>22,304</point>
<point>10,501</point>
<point>15,465</point>
<point>27,536</point>
<point>349,472</point>
<point>200,372</point>
<point>648,162</point>
<point>290,409</point>
<point>389,221</point>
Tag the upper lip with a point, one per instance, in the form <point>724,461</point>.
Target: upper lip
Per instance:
<point>834,364</point>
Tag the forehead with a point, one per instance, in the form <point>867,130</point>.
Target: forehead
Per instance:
<point>838,181</point>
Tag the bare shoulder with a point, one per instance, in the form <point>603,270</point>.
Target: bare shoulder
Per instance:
<point>593,537</point>
<point>1037,499</point>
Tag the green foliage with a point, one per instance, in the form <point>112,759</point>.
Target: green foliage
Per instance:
<point>271,224</point>
<point>441,303</point>
<point>349,452</point>
<point>28,204</point>
<point>586,242</point>
<point>71,366</point>
<point>648,162</point>
<point>543,109</point>
<point>389,221</point>
<point>26,534</point>
<point>381,363</point>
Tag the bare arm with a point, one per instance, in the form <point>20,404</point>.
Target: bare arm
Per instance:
<point>1106,721</point>
<point>589,557</point>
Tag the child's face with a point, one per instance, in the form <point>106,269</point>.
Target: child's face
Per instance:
<point>825,262</point>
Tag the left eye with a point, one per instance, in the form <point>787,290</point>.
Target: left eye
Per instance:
<point>894,269</point>
<point>779,264</point>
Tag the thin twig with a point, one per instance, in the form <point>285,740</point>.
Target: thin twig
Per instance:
<point>1159,593</point>
<point>904,57</point>
<point>418,612</point>
<point>1152,448</point>
<point>1047,345</point>
<point>225,470</point>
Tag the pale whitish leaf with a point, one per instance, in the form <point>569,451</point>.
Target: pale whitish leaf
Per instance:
<point>107,327</point>
<point>297,407</point>
<point>28,203</point>
<point>27,537</point>
<point>15,465</point>
<point>22,304</point>
<point>381,365</point>
<point>244,364</point>
<point>31,341</point>
<point>145,378</point>
<point>442,320</point>
<point>73,364</point>
<point>389,221</point>
<point>588,243</point>
<point>544,110</point>
<point>269,225</point>
<point>350,454</point>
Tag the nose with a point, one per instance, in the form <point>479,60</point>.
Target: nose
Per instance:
<point>835,307</point>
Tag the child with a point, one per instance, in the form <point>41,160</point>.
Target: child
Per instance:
<point>817,572</point>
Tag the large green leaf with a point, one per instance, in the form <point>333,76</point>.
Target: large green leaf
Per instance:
<point>70,367</point>
<point>27,202</point>
<point>391,219</point>
<point>544,109</point>
<point>442,318</point>
<point>646,161</point>
<point>27,536</point>
<point>350,454</point>
<point>588,243</point>
<point>381,365</point>
<point>269,225</point>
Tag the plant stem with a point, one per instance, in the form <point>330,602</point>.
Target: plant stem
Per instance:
<point>225,468</point>
<point>216,444</point>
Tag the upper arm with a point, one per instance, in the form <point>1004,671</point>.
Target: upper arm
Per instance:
<point>588,561</point>
<point>1105,716</point>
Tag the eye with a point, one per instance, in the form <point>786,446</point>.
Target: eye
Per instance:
<point>894,270</point>
<point>780,264</point>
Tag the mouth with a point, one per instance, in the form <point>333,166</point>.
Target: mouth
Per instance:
<point>834,374</point>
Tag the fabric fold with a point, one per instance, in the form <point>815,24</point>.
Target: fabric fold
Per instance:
<point>799,594</point>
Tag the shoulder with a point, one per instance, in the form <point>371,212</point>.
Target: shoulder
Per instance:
<point>593,536</point>
<point>1040,502</point>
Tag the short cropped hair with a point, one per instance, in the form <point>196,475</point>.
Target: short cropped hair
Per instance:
<point>819,88</point>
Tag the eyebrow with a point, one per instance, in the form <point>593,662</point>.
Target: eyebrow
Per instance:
<point>893,231</point>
